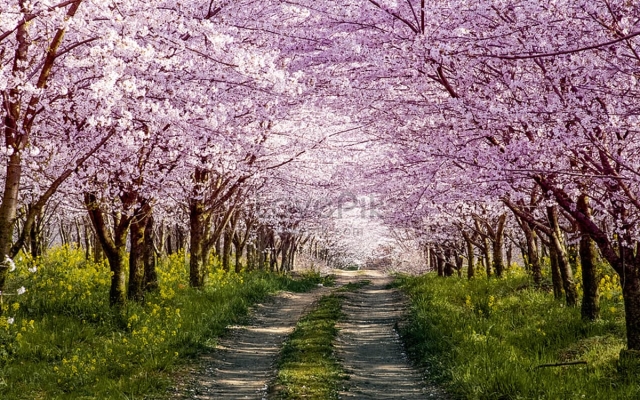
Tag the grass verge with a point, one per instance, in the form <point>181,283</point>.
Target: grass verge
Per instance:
<point>63,341</point>
<point>484,339</point>
<point>307,367</point>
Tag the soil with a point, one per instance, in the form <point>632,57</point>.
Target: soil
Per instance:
<point>370,348</point>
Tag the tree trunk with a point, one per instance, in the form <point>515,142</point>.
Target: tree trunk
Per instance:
<point>13,174</point>
<point>556,278</point>
<point>630,281</point>
<point>532,252</point>
<point>459,263</point>
<point>63,234</point>
<point>226,250</point>
<point>448,268</point>
<point>440,262</point>
<point>448,265</point>
<point>498,263</point>
<point>218,246</point>
<point>292,256</point>
<point>114,247</point>
<point>427,257</point>
<point>161,238</point>
<point>590,309</point>
<point>150,257</point>
<point>180,238</point>
<point>487,257</point>
<point>251,257</point>
<point>525,258</point>
<point>631,294</point>
<point>137,254</point>
<point>238,265</point>
<point>98,252</point>
<point>571,293</point>
<point>78,236</point>
<point>262,249</point>
<point>285,251</point>
<point>470,258</point>
<point>36,238</point>
<point>434,260</point>
<point>118,290</point>
<point>169,243</point>
<point>87,240</point>
<point>196,226</point>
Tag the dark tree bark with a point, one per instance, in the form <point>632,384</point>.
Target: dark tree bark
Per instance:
<point>631,295</point>
<point>87,240</point>
<point>226,249</point>
<point>459,263</point>
<point>448,268</point>
<point>532,252</point>
<point>150,257</point>
<point>471,271</point>
<point>114,246</point>
<point>497,242</point>
<point>64,237</point>
<point>556,239</point>
<point>590,309</point>
<point>251,257</point>
<point>485,250</point>
<point>284,248</point>
<point>36,236</point>
<point>434,260</point>
<point>98,253</point>
<point>138,252</point>
<point>197,229</point>
<point>440,263</point>
<point>218,245</point>
<point>556,278</point>
<point>169,244</point>
<point>238,252</point>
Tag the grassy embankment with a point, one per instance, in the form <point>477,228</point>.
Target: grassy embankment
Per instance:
<point>307,367</point>
<point>65,341</point>
<point>485,339</point>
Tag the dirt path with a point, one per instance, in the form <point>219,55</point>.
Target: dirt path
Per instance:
<point>242,363</point>
<point>369,347</point>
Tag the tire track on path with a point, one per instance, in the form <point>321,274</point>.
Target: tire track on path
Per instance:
<point>370,349</point>
<point>243,362</point>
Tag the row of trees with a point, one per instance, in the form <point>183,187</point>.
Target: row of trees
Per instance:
<point>484,123</point>
<point>158,124</point>
<point>513,122</point>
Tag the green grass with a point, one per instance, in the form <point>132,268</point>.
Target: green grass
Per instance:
<point>307,367</point>
<point>482,339</point>
<point>67,343</point>
<point>351,286</point>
